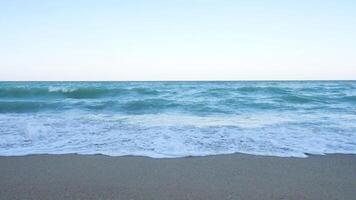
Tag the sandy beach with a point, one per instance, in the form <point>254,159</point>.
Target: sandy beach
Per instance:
<point>236,176</point>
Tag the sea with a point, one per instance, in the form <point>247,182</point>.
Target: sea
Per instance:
<point>169,119</point>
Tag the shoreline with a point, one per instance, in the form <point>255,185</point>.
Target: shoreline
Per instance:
<point>307,155</point>
<point>230,176</point>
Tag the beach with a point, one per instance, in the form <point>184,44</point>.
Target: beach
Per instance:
<point>177,100</point>
<point>234,176</point>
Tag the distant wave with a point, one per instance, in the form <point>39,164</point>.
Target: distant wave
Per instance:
<point>300,99</point>
<point>267,89</point>
<point>67,92</point>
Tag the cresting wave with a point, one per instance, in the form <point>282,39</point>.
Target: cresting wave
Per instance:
<point>63,92</point>
<point>177,119</point>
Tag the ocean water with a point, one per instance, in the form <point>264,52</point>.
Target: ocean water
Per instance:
<point>177,119</point>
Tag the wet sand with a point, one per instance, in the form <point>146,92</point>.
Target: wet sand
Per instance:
<point>236,176</point>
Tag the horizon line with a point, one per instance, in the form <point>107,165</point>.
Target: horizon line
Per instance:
<point>179,80</point>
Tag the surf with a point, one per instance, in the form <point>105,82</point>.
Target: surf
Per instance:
<point>178,119</point>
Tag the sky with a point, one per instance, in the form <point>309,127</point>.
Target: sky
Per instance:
<point>177,40</point>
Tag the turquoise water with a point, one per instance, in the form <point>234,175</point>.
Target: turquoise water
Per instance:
<point>175,119</point>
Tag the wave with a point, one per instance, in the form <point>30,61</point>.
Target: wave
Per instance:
<point>149,104</point>
<point>246,90</point>
<point>74,93</point>
<point>196,98</point>
<point>268,90</point>
<point>349,99</point>
<point>299,99</point>
<point>160,105</point>
<point>23,92</point>
<point>145,91</point>
<point>86,93</point>
<point>128,106</point>
<point>163,105</point>
<point>29,106</point>
<point>133,106</point>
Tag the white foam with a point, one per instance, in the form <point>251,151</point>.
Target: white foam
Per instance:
<point>176,135</point>
<point>60,89</point>
<point>243,121</point>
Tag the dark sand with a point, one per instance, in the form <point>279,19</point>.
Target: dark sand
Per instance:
<point>235,176</point>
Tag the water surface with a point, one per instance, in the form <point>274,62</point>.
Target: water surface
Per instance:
<point>176,119</point>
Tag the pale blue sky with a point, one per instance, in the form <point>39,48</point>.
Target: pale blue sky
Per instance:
<point>177,40</point>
